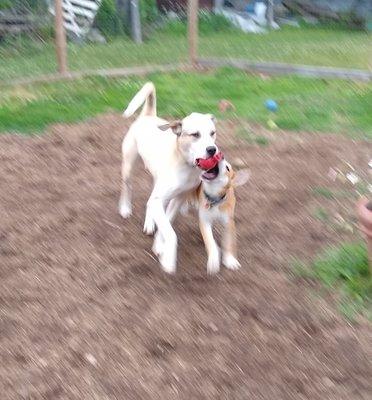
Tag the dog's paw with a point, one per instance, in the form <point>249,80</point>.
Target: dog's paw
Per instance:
<point>157,247</point>
<point>230,262</point>
<point>168,265</point>
<point>168,258</point>
<point>213,265</point>
<point>125,210</point>
<point>149,226</point>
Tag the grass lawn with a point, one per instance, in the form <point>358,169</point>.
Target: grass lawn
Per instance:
<point>304,104</point>
<point>313,46</point>
<point>344,268</point>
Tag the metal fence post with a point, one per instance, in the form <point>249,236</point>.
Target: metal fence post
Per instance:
<point>135,21</point>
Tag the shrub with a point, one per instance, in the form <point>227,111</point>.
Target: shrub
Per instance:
<point>107,19</point>
<point>148,11</point>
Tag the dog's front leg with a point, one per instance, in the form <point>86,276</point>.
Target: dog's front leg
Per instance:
<point>213,265</point>
<point>229,245</point>
<point>149,225</point>
<point>168,257</point>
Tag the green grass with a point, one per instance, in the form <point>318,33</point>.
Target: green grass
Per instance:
<point>304,104</point>
<point>321,214</point>
<point>345,270</point>
<point>251,137</point>
<point>313,46</point>
<point>320,191</point>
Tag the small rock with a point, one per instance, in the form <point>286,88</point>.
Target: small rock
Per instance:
<point>332,174</point>
<point>328,382</point>
<point>238,162</point>
<point>95,36</point>
<point>354,179</point>
<point>91,359</point>
<point>224,105</point>
<point>213,327</point>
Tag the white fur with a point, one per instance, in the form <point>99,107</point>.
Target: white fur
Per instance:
<point>173,170</point>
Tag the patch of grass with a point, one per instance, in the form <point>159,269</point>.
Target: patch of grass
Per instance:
<point>344,269</point>
<point>313,46</point>
<point>261,140</point>
<point>321,214</point>
<point>323,192</point>
<point>251,137</point>
<point>32,108</point>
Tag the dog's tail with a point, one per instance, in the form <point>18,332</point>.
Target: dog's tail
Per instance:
<point>146,95</point>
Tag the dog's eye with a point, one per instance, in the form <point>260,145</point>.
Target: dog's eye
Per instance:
<point>227,168</point>
<point>195,135</point>
<point>213,133</point>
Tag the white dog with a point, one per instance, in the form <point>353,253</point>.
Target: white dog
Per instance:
<point>170,152</point>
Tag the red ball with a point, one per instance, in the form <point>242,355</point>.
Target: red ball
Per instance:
<point>209,163</point>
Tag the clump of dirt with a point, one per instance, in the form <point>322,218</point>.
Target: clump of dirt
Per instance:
<point>86,312</point>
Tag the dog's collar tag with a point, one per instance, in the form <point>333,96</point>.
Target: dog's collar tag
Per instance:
<point>213,201</point>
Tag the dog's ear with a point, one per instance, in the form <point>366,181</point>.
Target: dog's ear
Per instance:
<point>241,177</point>
<point>212,117</point>
<point>176,127</point>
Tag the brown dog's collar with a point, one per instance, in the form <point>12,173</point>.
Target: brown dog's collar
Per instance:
<point>213,201</point>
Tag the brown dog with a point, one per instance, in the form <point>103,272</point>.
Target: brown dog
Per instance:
<point>215,200</point>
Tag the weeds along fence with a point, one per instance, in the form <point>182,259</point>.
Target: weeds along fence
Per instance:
<point>50,39</point>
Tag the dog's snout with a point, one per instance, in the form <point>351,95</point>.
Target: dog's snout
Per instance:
<point>211,150</point>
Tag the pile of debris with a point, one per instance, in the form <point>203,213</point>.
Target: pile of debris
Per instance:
<point>258,15</point>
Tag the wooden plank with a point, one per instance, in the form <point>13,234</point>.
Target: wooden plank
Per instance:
<point>285,69</point>
<point>111,73</point>
<point>90,5</point>
<point>74,28</point>
<point>79,11</point>
<point>192,19</point>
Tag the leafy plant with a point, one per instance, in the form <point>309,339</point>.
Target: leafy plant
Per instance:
<point>148,11</point>
<point>107,19</point>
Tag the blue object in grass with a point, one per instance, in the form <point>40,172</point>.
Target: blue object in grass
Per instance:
<point>250,8</point>
<point>271,105</point>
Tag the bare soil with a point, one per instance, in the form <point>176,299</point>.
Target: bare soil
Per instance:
<point>87,313</point>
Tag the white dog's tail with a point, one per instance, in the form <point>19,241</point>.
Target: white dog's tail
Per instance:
<point>146,95</point>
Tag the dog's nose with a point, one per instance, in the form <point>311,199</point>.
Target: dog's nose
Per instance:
<point>211,150</point>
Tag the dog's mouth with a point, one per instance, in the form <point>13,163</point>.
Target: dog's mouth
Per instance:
<point>211,173</point>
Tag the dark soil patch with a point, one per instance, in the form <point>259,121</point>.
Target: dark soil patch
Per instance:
<point>86,312</point>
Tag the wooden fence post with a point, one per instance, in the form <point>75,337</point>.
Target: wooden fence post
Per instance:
<point>61,46</point>
<point>193,6</point>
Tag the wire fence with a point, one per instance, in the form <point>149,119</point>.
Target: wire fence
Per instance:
<point>120,34</point>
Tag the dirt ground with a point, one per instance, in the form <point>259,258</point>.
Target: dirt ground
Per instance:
<point>86,312</point>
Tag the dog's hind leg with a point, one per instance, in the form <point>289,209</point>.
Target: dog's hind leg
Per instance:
<point>171,212</point>
<point>130,154</point>
<point>168,257</point>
